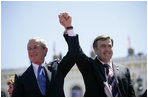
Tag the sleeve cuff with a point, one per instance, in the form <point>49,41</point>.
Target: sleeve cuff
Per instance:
<point>71,33</point>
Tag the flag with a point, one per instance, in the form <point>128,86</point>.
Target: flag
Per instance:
<point>128,42</point>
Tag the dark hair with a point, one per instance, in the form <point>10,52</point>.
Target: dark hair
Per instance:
<point>101,37</point>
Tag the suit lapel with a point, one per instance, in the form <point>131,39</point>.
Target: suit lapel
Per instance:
<point>33,80</point>
<point>116,70</point>
<point>99,72</point>
<point>48,73</point>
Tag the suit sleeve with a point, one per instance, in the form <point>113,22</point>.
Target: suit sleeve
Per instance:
<point>69,59</point>
<point>131,92</point>
<point>82,61</point>
<point>79,57</point>
<point>18,88</point>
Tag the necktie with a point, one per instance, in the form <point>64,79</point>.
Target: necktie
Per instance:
<point>41,80</point>
<point>111,81</point>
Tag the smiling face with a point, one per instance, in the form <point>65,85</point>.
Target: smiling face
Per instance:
<point>36,52</point>
<point>104,50</point>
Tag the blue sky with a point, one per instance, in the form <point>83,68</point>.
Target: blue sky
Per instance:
<point>23,20</point>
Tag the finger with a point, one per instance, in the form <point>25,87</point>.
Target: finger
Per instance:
<point>62,19</point>
<point>69,18</point>
<point>59,16</point>
<point>65,15</point>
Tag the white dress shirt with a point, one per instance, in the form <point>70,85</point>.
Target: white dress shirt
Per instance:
<point>35,68</point>
<point>107,89</point>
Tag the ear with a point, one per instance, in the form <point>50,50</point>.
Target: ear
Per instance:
<point>46,50</point>
<point>95,49</point>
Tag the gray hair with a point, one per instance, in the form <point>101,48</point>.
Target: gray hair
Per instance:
<point>40,40</point>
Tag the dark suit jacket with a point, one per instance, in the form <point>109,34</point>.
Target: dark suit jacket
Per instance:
<point>94,76</point>
<point>26,84</point>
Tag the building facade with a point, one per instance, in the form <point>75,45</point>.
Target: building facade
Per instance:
<point>138,71</point>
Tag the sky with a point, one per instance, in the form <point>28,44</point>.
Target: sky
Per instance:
<point>21,20</point>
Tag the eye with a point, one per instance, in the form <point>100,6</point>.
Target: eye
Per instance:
<point>29,49</point>
<point>103,46</point>
<point>110,46</point>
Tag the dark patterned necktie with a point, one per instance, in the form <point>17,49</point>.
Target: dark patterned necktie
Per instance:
<point>111,81</point>
<point>41,80</point>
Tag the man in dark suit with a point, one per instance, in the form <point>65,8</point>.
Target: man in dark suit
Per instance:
<point>103,77</point>
<point>41,78</point>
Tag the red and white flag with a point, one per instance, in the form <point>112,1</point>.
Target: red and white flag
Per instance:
<point>128,42</point>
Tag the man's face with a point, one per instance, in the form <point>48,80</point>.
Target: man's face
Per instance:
<point>36,52</point>
<point>10,90</point>
<point>104,50</point>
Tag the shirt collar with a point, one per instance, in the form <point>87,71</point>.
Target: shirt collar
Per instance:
<point>35,66</point>
<point>109,63</point>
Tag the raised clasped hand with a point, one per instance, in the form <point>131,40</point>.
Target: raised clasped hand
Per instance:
<point>65,19</point>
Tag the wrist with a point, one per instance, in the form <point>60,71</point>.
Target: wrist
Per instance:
<point>65,32</point>
<point>69,27</point>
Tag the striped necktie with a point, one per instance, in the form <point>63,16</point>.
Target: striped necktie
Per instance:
<point>41,80</point>
<point>111,81</point>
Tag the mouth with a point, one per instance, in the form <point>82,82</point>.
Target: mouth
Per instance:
<point>106,54</point>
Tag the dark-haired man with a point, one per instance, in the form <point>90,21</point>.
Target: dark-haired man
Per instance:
<point>103,77</point>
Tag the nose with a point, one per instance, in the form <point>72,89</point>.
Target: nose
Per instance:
<point>107,48</point>
<point>31,51</point>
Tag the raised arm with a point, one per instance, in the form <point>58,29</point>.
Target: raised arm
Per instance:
<point>69,59</point>
<point>79,57</point>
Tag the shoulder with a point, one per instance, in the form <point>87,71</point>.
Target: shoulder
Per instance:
<point>56,61</point>
<point>25,73</point>
<point>121,67</point>
<point>53,64</point>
